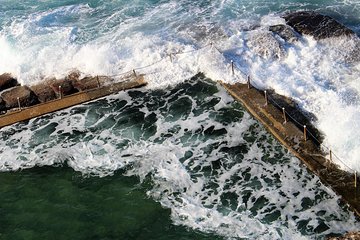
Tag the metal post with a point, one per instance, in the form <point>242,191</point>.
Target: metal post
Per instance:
<point>171,60</point>
<point>98,82</point>
<point>355,183</point>
<point>134,72</point>
<point>248,81</point>
<point>266,98</point>
<point>232,67</point>
<point>60,92</point>
<point>18,100</point>
<point>330,155</point>
<point>284,115</point>
<point>305,137</point>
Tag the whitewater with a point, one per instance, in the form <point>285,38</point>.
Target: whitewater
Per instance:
<point>174,127</point>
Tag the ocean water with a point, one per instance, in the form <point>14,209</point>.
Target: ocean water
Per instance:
<point>179,158</point>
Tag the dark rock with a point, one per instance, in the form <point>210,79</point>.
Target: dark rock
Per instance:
<point>26,97</point>
<point>67,87</point>
<point>265,44</point>
<point>3,107</point>
<point>317,25</point>
<point>88,83</point>
<point>285,32</point>
<point>7,81</point>
<point>44,92</point>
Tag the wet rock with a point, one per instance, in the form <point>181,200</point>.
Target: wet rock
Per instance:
<point>88,83</point>
<point>265,44</point>
<point>317,25</point>
<point>26,97</point>
<point>348,236</point>
<point>285,32</point>
<point>7,81</point>
<point>2,106</point>
<point>73,76</point>
<point>44,92</point>
<point>64,85</point>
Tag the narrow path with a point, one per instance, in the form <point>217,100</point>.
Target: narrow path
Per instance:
<point>22,114</point>
<point>308,151</point>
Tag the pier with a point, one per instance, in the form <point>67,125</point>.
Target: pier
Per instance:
<point>62,102</point>
<point>297,142</point>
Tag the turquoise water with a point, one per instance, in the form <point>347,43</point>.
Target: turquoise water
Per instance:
<point>178,159</point>
<point>185,162</point>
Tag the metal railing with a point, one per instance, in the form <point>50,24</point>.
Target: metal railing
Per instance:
<point>253,83</point>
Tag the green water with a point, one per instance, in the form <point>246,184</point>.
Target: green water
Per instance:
<point>185,162</point>
<point>58,203</point>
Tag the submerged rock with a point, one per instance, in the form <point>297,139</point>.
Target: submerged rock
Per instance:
<point>26,97</point>
<point>285,32</point>
<point>317,25</point>
<point>44,92</point>
<point>265,44</point>
<point>7,81</point>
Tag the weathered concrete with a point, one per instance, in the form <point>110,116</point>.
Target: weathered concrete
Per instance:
<point>7,81</point>
<point>68,101</point>
<point>292,138</point>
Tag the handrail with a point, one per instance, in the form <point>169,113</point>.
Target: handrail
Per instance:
<point>253,83</point>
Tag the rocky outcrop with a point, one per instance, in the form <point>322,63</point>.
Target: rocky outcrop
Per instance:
<point>88,83</point>
<point>47,90</point>
<point>265,44</point>
<point>44,92</point>
<point>63,86</point>
<point>317,25</point>
<point>26,97</point>
<point>2,106</point>
<point>348,236</point>
<point>285,32</point>
<point>7,81</point>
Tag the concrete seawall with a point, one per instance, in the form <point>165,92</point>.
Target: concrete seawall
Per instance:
<point>22,114</point>
<point>308,151</point>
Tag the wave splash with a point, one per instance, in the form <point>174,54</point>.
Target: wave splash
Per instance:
<point>197,152</point>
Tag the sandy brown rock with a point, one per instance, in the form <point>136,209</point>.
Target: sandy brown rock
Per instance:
<point>44,92</point>
<point>73,76</point>
<point>67,87</point>
<point>26,97</point>
<point>88,83</point>
<point>348,236</point>
<point>7,81</point>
